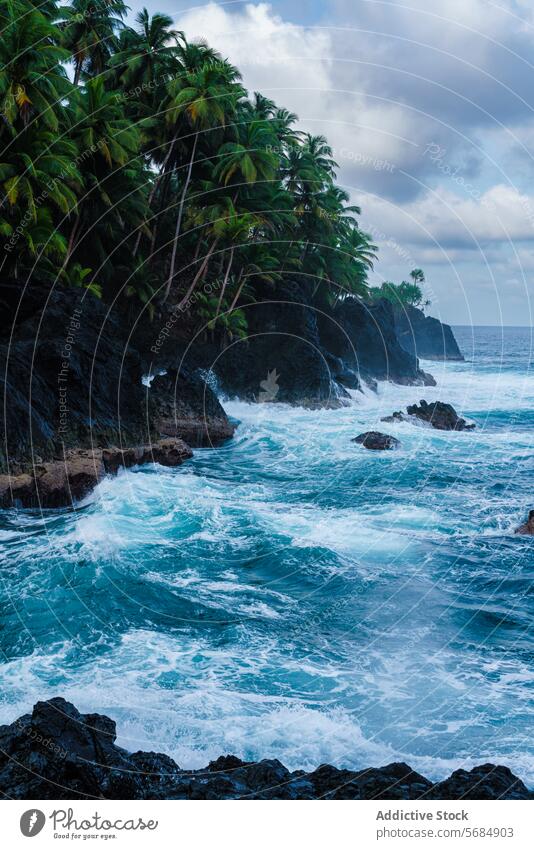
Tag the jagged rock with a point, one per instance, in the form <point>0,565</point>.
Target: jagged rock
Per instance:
<point>16,489</point>
<point>528,528</point>
<point>396,781</point>
<point>57,753</point>
<point>441,416</point>
<point>60,482</point>
<point>437,414</point>
<point>395,417</point>
<point>364,337</point>
<point>425,336</point>
<point>483,782</point>
<point>184,406</point>
<point>376,441</point>
<point>282,358</point>
<point>71,379</point>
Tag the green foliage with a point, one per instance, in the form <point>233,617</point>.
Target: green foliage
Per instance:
<point>403,294</point>
<point>153,175</point>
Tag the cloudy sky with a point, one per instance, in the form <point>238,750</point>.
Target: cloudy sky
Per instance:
<point>429,108</point>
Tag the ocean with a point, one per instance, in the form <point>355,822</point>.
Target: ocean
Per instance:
<point>293,595</point>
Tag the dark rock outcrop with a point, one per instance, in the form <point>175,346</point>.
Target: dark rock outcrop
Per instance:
<point>71,385</point>
<point>376,441</point>
<point>67,381</point>
<point>57,753</point>
<point>437,414</point>
<point>483,782</point>
<point>441,416</point>
<point>298,353</point>
<point>282,358</point>
<point>527,529</point>
<point>364,337</point>
<point>425,336</point>
<point>182,405</point>
<point>65,480</point>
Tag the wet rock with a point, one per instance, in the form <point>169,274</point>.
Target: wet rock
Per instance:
<point>71,379</point>
<point>166,452</point>
<point>437,414</point>
<point>482,782</point>
<point>396,781</point>
<point>183,406</point>
<point>58,753</point>
<point>16,490</point>
<point>528,528</point>
<point>395,417</point>
<point>441,416</point>
<point>376,441</point>
<point>364,336</point>
<point>61,482</point>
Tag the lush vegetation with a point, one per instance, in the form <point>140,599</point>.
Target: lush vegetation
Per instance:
<point>133,161</point>
<point>405,294</point>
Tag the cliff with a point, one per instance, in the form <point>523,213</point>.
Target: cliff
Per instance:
<point>424,336</point>
<point>316,354</point>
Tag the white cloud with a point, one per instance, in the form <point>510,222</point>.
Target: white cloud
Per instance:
<point>443,218</point>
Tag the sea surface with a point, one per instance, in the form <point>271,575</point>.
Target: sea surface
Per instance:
<point>293,595</point>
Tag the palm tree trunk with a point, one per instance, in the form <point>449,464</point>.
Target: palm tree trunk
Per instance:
<point>239,290</point>
<point>225,281</point>
<point>179,220</point>
<point>77,69</point>
<point>72,238</point>
<point>153,190</point>
<point>149,204</point>
<point>202,270</point>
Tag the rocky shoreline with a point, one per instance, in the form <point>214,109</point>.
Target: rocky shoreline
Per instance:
<point>58,753</point>
<point>87,388</point>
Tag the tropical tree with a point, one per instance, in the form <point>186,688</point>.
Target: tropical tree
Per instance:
<point>89,33</point>
<point>202,100</point>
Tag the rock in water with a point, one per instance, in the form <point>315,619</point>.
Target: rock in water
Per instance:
<point>439,415</point>
<point>528,528</point>
<point>376,441</point>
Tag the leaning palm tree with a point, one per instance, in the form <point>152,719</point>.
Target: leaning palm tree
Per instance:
<point>89,33</point>
<point>101,130</point>
<point>203,99</point>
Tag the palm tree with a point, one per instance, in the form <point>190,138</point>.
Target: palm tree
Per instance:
<point>33,83</point>
<point>38,176</point>
<point>417,275</point>
<point>147,54</point>
<point>203,99</point>
<point>249,159</point>
<point>109,145</point>
<point>89,33</point>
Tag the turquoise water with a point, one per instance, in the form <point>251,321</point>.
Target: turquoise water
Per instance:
<point>293,595</point>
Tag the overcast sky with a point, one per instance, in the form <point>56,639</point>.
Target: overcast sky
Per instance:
<point>429,108</point>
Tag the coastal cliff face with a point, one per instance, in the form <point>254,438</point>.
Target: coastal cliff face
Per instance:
<point>315,354</point>
<point>58,753</point>
<point>424,336</point>
<point>365,336</point>
<point>72,385</point>
<point>73,368</point>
